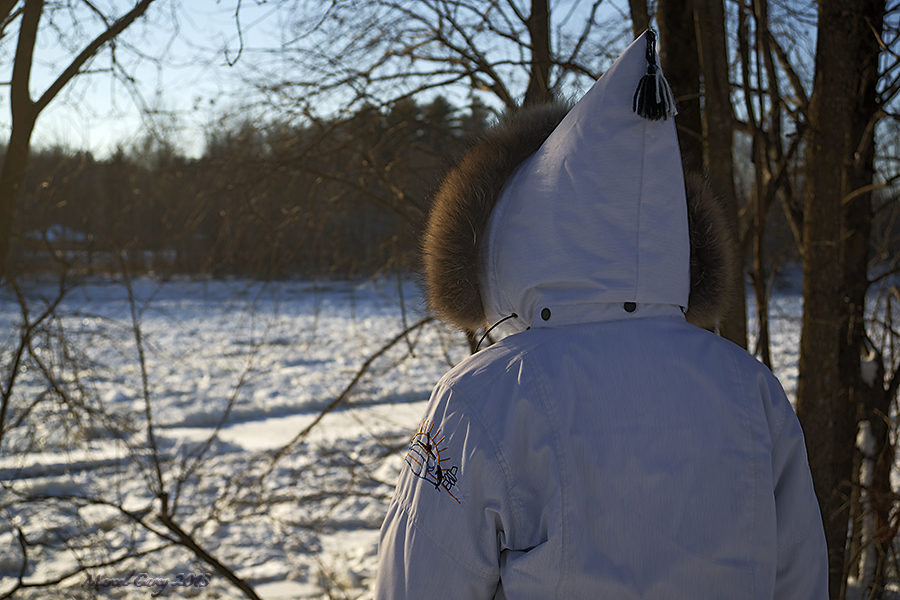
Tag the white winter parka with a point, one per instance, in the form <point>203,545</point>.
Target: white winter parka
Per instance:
<point>608,448</point>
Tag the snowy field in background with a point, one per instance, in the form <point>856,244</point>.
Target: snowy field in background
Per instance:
<point>278,353</point>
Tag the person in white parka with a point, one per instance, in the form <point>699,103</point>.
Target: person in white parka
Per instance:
<point>610,447</point>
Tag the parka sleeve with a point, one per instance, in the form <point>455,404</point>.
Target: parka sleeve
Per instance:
<point>445,527</point>
<point>802,568</point>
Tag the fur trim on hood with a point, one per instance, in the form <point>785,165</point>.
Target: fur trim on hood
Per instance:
<point>464,201</point>
<point>461,207</point>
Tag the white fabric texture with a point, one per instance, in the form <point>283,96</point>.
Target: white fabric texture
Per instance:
<point>602,453</point>
<point>640,458</point>
<point>597,215</point>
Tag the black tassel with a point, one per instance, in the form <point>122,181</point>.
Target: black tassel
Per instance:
<point>653,98</point>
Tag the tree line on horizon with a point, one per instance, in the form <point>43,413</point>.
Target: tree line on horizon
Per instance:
<point>341,198</point>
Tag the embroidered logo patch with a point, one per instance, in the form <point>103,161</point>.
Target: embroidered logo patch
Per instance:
<point>429,461</point>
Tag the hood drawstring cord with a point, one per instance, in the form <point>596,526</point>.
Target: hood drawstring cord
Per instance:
<point>492,327</point>
<point>653,98</point>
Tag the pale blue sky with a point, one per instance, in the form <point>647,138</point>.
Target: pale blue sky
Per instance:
<point>97,112</point>
<point>191,87</point>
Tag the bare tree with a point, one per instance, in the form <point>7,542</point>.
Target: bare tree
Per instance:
<point>693,49</point>
<point>538,23</point>
<point>378,51</point>
<point>718,133</point>
<point>826,404</point>
<point>640,16</point>
<point>25,110</point>
<point>679,55</point>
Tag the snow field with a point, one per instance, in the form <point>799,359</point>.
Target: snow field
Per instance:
<point>277,353</point>
<point>261,360</point>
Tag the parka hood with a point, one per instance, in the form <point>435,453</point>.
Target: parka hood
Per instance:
<point>562,215</point>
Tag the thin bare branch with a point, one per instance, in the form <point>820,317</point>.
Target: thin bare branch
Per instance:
<point>89,51</point>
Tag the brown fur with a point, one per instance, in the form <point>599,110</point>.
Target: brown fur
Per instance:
<point>468,192</point>
<point>463,203</point>
<point>712,254</point>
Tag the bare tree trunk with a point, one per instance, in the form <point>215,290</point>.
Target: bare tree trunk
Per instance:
<point>640,17</point>
<point>23,116</point>
<point>538,24</point>
<point>858,172</point>
<point>718,130</point>
<point>25,110</point>
<point>824,407</point>
<point>679,58</point>
<point>761,141</point>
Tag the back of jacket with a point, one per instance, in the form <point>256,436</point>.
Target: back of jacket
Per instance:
<point>608,449</point>
<point>624,459</point>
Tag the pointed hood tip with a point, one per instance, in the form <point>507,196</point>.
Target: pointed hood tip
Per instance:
<point>454,246</point>
<point>605,192</point>
<point>452,240</point>
<point>653,98</point>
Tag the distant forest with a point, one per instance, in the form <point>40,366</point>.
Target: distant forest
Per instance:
<point>342,198</point>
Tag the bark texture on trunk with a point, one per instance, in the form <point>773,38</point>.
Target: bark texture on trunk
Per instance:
<point>539,29</point>
<point>824,403</point>
<point>871,398</point>
<point>680,61</point>
<point>718,135</point>
<point>640,17</point>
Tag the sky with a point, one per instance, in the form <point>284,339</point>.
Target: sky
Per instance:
<point>190,62</point>
<point>185,89</point>
<point>188,89</point>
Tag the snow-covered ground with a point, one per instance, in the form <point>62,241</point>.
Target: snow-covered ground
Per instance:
<point>259,360</point>
<point>229,373</point>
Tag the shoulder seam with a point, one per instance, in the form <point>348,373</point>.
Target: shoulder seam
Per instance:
<point>498,456</point>
<point>562,473</point>
<point>404,506</point>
